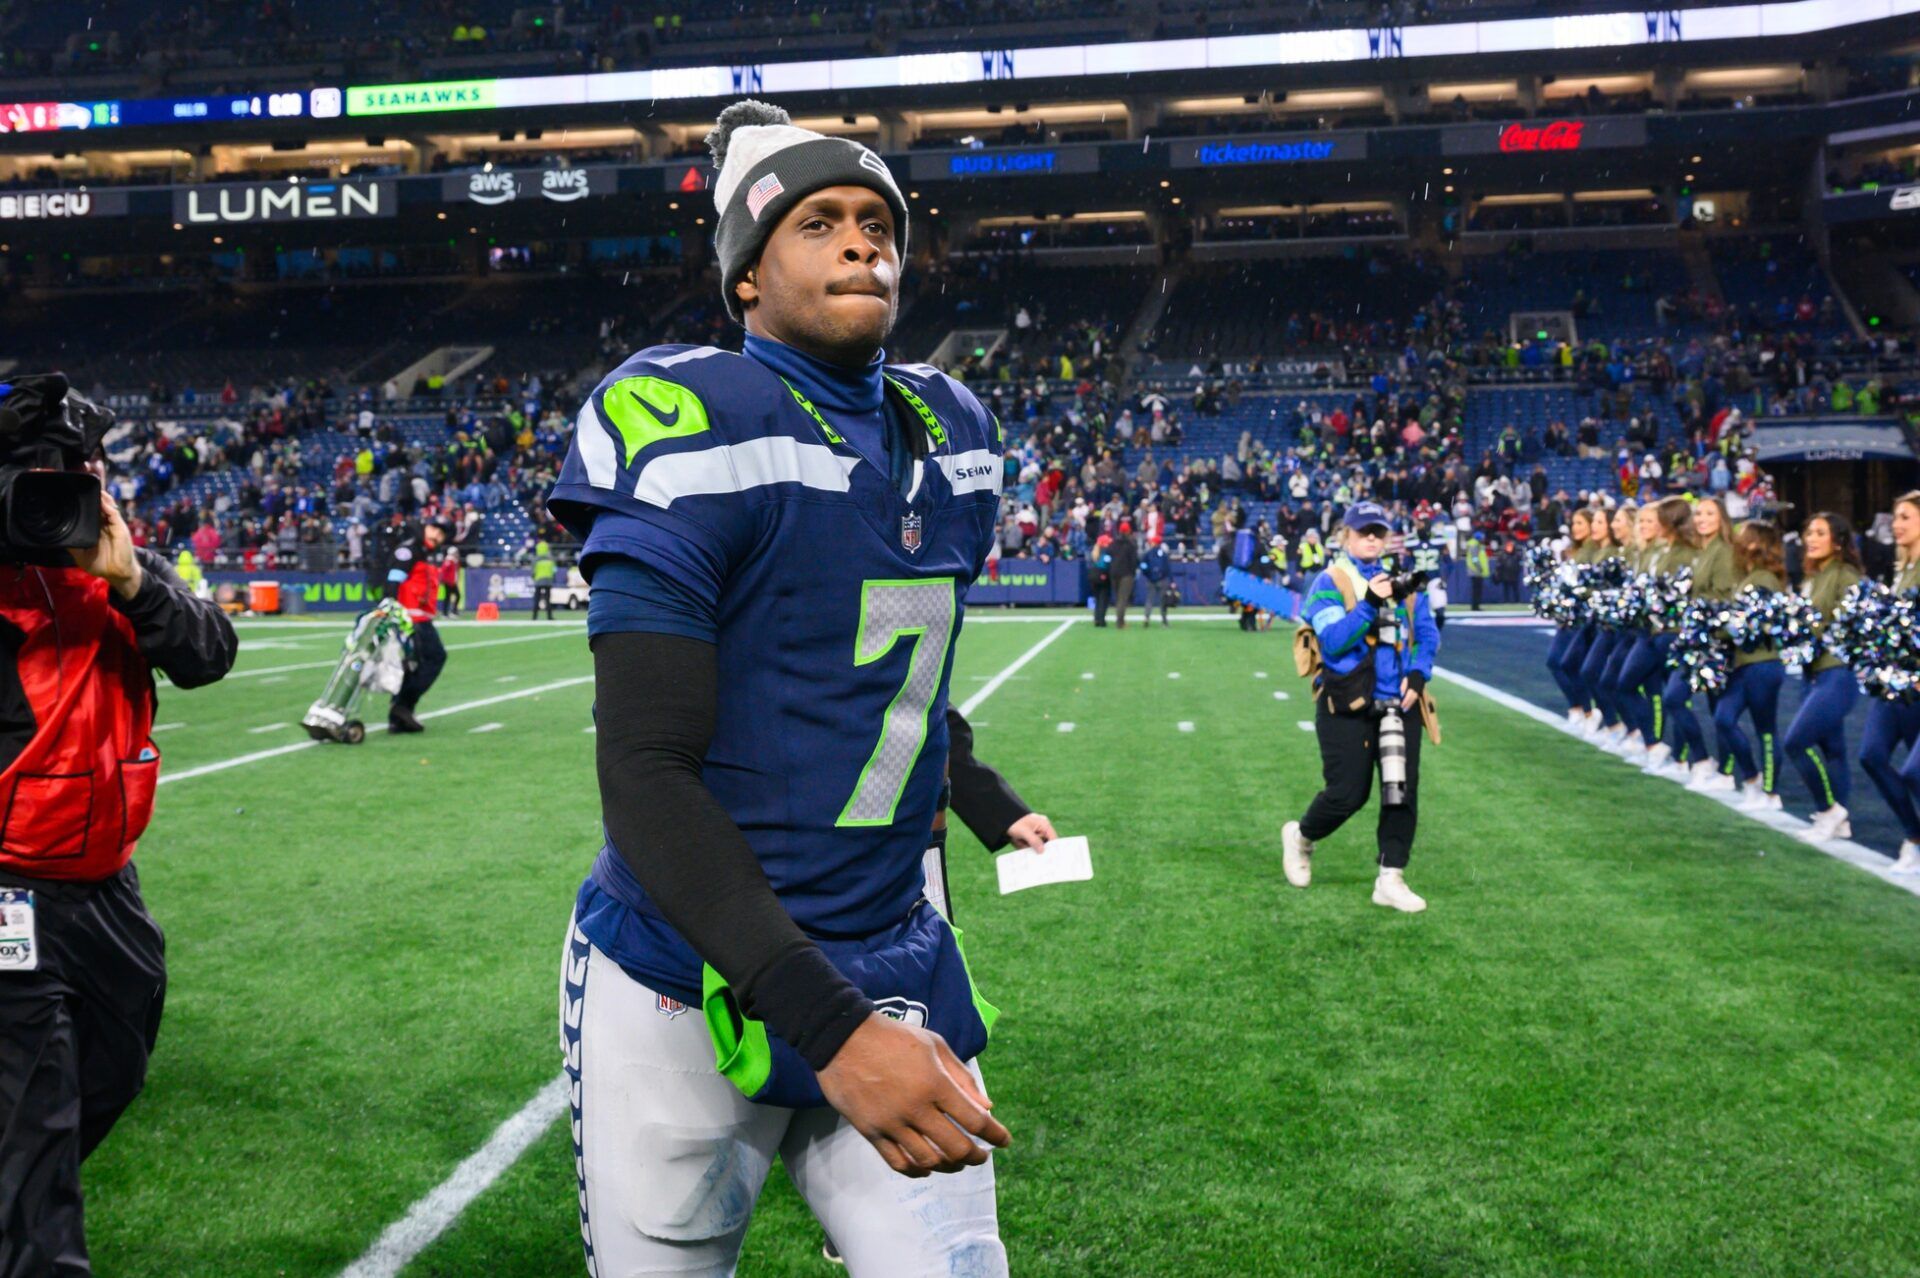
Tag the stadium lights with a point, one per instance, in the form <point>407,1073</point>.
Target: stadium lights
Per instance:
<point>1176,199</point>
<point>933,212</point>
<point>913,195</point>
<point>1447,172</point>
<point>1689,177</point>
<point>176,226</point>
<point>1695,160</point>
<point>673,204</point>
<point>441,216</point>
<point>1164,184</point>
<point>699,221</point>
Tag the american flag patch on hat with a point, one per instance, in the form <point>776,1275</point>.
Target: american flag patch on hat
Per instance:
<point>762,191</point>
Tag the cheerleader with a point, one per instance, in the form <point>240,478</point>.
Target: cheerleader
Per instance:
<point>1601,547</point>
<point>1601,672</point>
<point>1816,741</point>
<point>1714,577</point>
<point>1570,643</point>
<point>1643,673</point>
<point>1753,685</point>
<point>1892,723</point>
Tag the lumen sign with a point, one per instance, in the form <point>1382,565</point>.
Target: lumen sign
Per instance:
<point>283,202</point>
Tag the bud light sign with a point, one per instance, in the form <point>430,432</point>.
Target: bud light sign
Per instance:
<point>1539,137</point>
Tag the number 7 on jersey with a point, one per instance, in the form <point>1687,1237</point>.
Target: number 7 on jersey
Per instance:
<point>923,611</point>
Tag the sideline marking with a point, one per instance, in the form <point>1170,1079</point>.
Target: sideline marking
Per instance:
<point>268,727</point>
<point>328,665</point>
<point>407,1237</point>
<point>241,760</point>
<point>1855,854</point>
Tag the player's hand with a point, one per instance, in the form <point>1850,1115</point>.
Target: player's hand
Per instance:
<point>904,1090</point>
<point>1379,587</point>
<point>1408,697</point>
<point>1032,831</point>
<point>111,558</point>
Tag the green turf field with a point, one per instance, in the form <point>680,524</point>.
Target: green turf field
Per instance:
<point>1636,1033</point>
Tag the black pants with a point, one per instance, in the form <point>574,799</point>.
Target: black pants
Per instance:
<point>1479,587</point>
<point>453,599</point>
<point>429,657</point>
<point>543,598</point>
<point>1349,756</point>
<point>1102,597</point>
<point>74,1041</point>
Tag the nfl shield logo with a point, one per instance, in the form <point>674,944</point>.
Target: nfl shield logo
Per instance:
<point>669,1007</point>
<point>910,531</point>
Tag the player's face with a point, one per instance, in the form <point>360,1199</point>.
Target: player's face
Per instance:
<point>828,281</point>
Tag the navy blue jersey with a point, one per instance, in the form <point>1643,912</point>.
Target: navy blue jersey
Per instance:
<point>838,599</point>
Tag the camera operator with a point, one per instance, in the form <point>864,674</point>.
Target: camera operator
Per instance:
<point>84,619</point>
<point>1368,645</point>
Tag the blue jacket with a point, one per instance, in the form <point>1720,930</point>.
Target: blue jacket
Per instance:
<point>1156,564</point>
<point>1343,634</point>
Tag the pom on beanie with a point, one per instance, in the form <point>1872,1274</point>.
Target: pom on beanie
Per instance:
<point>738,115</point>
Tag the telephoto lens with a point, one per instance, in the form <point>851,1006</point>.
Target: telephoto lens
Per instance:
<point>1393,758</point>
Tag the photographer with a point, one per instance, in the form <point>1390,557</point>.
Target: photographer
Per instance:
<point>1368,645</point>
<point>84,619</point>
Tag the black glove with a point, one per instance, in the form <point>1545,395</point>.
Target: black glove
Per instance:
<point>1416,682</point>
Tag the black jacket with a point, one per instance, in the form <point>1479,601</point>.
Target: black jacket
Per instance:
<point>981,797</point>
<point>189,640</point>
<point>1126,556</point>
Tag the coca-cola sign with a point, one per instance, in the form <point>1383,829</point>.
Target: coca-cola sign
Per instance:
<point>1560,135</point>
<point>1536,137</point>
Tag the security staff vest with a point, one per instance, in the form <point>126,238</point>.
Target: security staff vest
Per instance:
<point>76,800</point>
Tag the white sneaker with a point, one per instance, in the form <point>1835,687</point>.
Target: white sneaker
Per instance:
<point>1296,855</point>
<point>1657,755</point>
<point>1755,798</point>
<point>1391,890</point>
<point>1705,777</point>
<point>1575,717</point>
<point>1831,824</point>
<point>1596,722</point>
<point>1908,861</point>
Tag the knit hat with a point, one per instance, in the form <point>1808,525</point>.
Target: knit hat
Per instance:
<point>766,164</point>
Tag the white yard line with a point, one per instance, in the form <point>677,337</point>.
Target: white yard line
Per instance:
<point>452,647</point>
<point>427,1219</point>
<point>993,684</point>
<point>240,761</point>
<point>432,1215</point>
<point>268,727</point>
<point>1854,854</point>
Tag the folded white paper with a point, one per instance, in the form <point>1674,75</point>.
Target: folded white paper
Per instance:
<point>1064,861</point>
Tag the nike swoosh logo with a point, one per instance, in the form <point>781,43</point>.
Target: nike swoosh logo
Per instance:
<point>665,419</point>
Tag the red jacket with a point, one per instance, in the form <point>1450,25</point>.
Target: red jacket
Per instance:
<point>419,594</point>
<point>75,801</point>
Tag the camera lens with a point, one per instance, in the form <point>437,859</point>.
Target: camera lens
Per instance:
<point>53,508</point>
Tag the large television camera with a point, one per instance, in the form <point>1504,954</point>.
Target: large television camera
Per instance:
<point>48,501</point>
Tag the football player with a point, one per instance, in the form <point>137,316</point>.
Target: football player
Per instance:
<point>779,545</point>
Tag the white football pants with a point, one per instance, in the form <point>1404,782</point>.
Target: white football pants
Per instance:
<point>670,1156</point>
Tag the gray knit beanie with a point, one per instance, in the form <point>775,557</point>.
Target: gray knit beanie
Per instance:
<point>765,165</point>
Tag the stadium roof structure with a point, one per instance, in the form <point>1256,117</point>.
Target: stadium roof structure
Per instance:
<point>989,65</point>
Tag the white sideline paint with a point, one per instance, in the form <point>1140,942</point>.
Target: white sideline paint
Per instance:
<point>167,727</point>
<point>486,727</point>
<point>328,665</point>
<point>1854,854</point>
<point>430,1217</point>
<point>268,727</point>
<point>244,759</point>
<point>993,684</point>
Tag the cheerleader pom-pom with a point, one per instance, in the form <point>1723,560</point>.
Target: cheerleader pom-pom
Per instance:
<point>1700,649</point>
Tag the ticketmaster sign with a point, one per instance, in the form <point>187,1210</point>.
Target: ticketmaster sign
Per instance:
<point>1220,153</point>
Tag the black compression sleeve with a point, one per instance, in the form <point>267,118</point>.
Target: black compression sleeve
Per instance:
<point>981,796</point>
<point>654,707</point>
